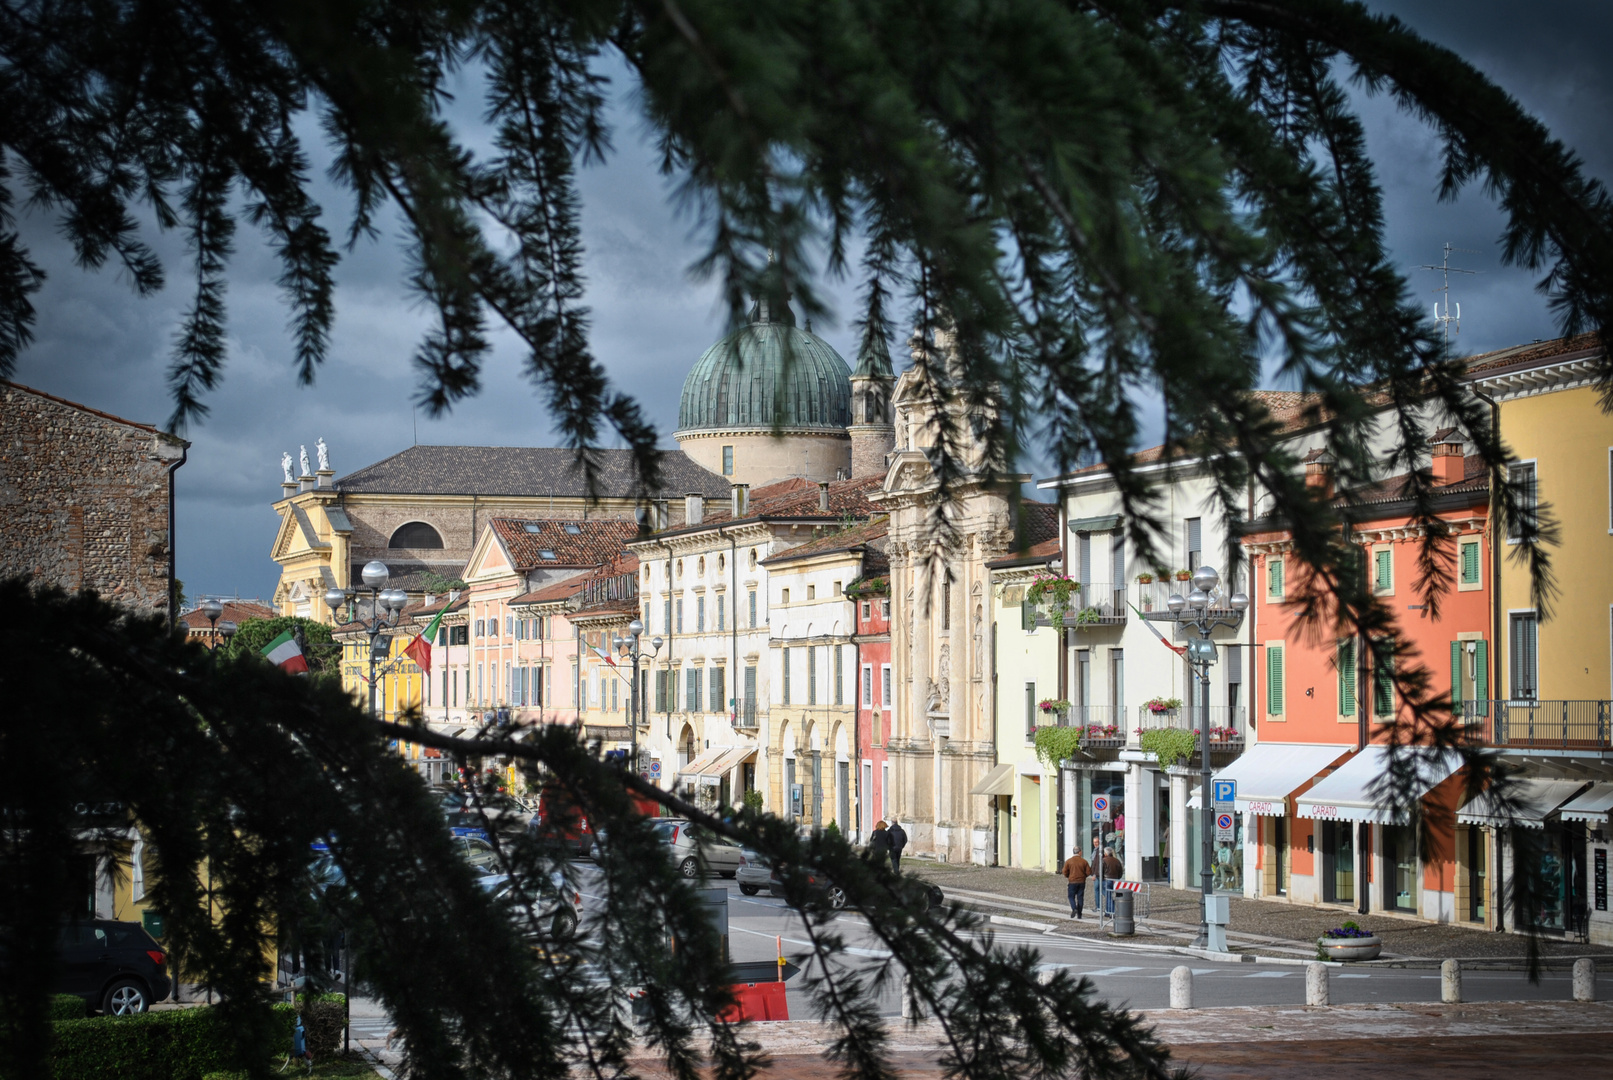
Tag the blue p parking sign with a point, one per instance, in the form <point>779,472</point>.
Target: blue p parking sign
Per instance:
<point>1225,790</point>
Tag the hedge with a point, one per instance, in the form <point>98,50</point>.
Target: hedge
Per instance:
<point>68,1007</point>
<point>175,1044</point>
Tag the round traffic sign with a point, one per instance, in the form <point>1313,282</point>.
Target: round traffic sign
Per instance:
<point>1100,802</point>
<point>1223,821</point>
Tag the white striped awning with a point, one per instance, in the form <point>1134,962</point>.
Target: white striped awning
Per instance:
<point>1536,799</point>
<point>1350,794</point>
<point>1593,805</point>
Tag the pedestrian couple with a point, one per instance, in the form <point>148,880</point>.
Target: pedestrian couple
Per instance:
<point>1077,870</point>
<point>885,844</point>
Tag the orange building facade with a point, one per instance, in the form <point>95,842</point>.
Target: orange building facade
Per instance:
<point>1316,830</point>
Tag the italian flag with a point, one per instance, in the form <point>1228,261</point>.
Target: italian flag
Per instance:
<point>419,650</point>
<point>284,653</point>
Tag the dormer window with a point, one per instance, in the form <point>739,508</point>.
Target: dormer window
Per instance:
<point>573,528</point>
<point>546,554</point>
<point>533,527</point>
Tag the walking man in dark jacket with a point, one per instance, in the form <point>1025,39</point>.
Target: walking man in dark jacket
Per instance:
<point>898,837</point>
<point>1076,871</point>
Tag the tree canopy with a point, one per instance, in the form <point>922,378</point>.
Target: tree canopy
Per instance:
<point>319,648</point>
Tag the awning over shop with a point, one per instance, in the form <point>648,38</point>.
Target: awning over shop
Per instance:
<point>1269,772</point>
<point>1105,523</point>
<point>1594,805</point>
<point>999,781</point>
<point>716,762</point>
<point>1535,800</point>
<point>1347,794</point>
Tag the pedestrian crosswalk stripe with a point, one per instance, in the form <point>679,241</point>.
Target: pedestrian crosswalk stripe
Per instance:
<point>1268,974</point>
<point>1113,970</point>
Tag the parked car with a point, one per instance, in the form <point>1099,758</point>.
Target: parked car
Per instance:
<point>823,891</point>
<point>554,821</point>
<point>689,845</point>
<point>556,906</point>
<point>114,966</point>
<point>465,814</point>
<point>754,874</point>
<point>479,853</point>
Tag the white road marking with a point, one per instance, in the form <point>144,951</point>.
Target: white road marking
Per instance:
<point>878,954</point>
<point>1360,976</point>
<point>1112,971</point>
<point>1268,975</point>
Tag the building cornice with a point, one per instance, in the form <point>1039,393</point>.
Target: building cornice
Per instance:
<point>1546,379</point>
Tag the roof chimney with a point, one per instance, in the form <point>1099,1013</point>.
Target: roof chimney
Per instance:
<point>1319,475</point>
<point>739,494</point>
<point>823,496</point>
<point>1450,467</point>
<point>694,508</point>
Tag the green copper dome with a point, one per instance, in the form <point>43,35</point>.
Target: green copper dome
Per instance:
<point>765,373</point>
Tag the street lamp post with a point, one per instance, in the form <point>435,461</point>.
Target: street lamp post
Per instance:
<point>629,647</point>
<point>213,609</point>
<point>1198,611</point>
<point>385,606</point>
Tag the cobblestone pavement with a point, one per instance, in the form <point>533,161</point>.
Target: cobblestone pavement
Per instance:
<point>1287,928</point>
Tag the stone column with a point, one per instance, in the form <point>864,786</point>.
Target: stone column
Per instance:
<point>1179,874</point>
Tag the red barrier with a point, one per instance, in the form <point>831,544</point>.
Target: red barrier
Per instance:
<point>756,1001</point>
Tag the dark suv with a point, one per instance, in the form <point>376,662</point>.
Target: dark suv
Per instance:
<point>114,966</point>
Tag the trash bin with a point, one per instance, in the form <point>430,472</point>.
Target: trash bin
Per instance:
<point>1125,924</point>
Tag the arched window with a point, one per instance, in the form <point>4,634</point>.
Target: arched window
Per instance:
<point>416,534</point>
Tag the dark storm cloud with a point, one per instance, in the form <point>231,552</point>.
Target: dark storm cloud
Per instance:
<point>98,344</point>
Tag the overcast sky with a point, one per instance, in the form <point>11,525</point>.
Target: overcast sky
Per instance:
<point>98,344</point>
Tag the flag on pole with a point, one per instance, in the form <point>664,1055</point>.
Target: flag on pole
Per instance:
<point>419,649</point>
<point>1179,650</point>
<point>284,653</point>
<point>603,655</point>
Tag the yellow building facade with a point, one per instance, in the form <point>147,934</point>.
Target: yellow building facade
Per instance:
<point>1562,450</point>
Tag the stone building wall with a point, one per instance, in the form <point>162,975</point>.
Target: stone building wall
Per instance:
<point>84,498</point>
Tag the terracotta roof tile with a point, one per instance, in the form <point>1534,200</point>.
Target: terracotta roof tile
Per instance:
<point>1532,355</point>
<point>865,535</point>
<point>567,542</point>
<point>523,470</point>
<point>1475,479</point>
<point>235,611</point>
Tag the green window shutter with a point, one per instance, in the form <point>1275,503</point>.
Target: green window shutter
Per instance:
<point>1347,678</point>
<point>1385,577</point>
<point>1481,677</point>
<point>1275,576</point>
<point>1027,615</point>
<point>1456,678</point>
<point>1470,564</point>
<point>1274,680</point>
<point>1383,689</point>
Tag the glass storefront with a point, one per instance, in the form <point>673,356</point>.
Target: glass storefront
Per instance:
<point>1338,862</point>
<point>1228,866</point>
<point>1478,866</point>
<point>1090,782</point>
<point>1561,904</point>
<point>1400,867</point>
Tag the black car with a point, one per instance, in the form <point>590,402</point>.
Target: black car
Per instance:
<point>821,890</point>
<point>114,966</point>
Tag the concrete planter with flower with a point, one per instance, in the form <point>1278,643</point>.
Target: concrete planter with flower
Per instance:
<point>1349,942</point>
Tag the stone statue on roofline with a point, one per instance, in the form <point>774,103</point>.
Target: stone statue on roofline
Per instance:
<point>324,454</point>
<point>303,461</point>
<point>285,467</point>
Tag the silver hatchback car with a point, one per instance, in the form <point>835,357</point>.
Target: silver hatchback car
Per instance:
<point>754,872</point>
<point>689,844</point>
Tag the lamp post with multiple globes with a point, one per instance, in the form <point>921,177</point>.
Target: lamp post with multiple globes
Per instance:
<point>1200,611</point>
<point>630,647</point>
<point>385,606</point>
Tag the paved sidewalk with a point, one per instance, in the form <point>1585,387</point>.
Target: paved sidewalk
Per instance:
<point>1263,927</point>
<point>1416,1042</point>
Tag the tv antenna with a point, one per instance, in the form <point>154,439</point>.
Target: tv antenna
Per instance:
<point>1445,268</point>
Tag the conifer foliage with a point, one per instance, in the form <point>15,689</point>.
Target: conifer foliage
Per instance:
<point>231,770</point>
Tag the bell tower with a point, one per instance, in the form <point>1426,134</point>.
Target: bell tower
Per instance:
<point>873,428</point>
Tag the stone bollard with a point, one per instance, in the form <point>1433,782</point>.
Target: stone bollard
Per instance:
<point>911,1010</point>
<point>1315,983</point>
<point>1182,987</point>
<point>1450,982</point>
<point>1585,979</point>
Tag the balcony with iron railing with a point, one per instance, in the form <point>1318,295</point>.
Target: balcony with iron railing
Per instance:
<point>1104,726</point>
<point>1091,610</point>
<point>744,714</point>
<point>1227,724</point>
<point>1562,726</point>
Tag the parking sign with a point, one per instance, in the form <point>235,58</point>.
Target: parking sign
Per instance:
<point>1226,791</point>
<point>1100,808</point>
<point>1223,826</point>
